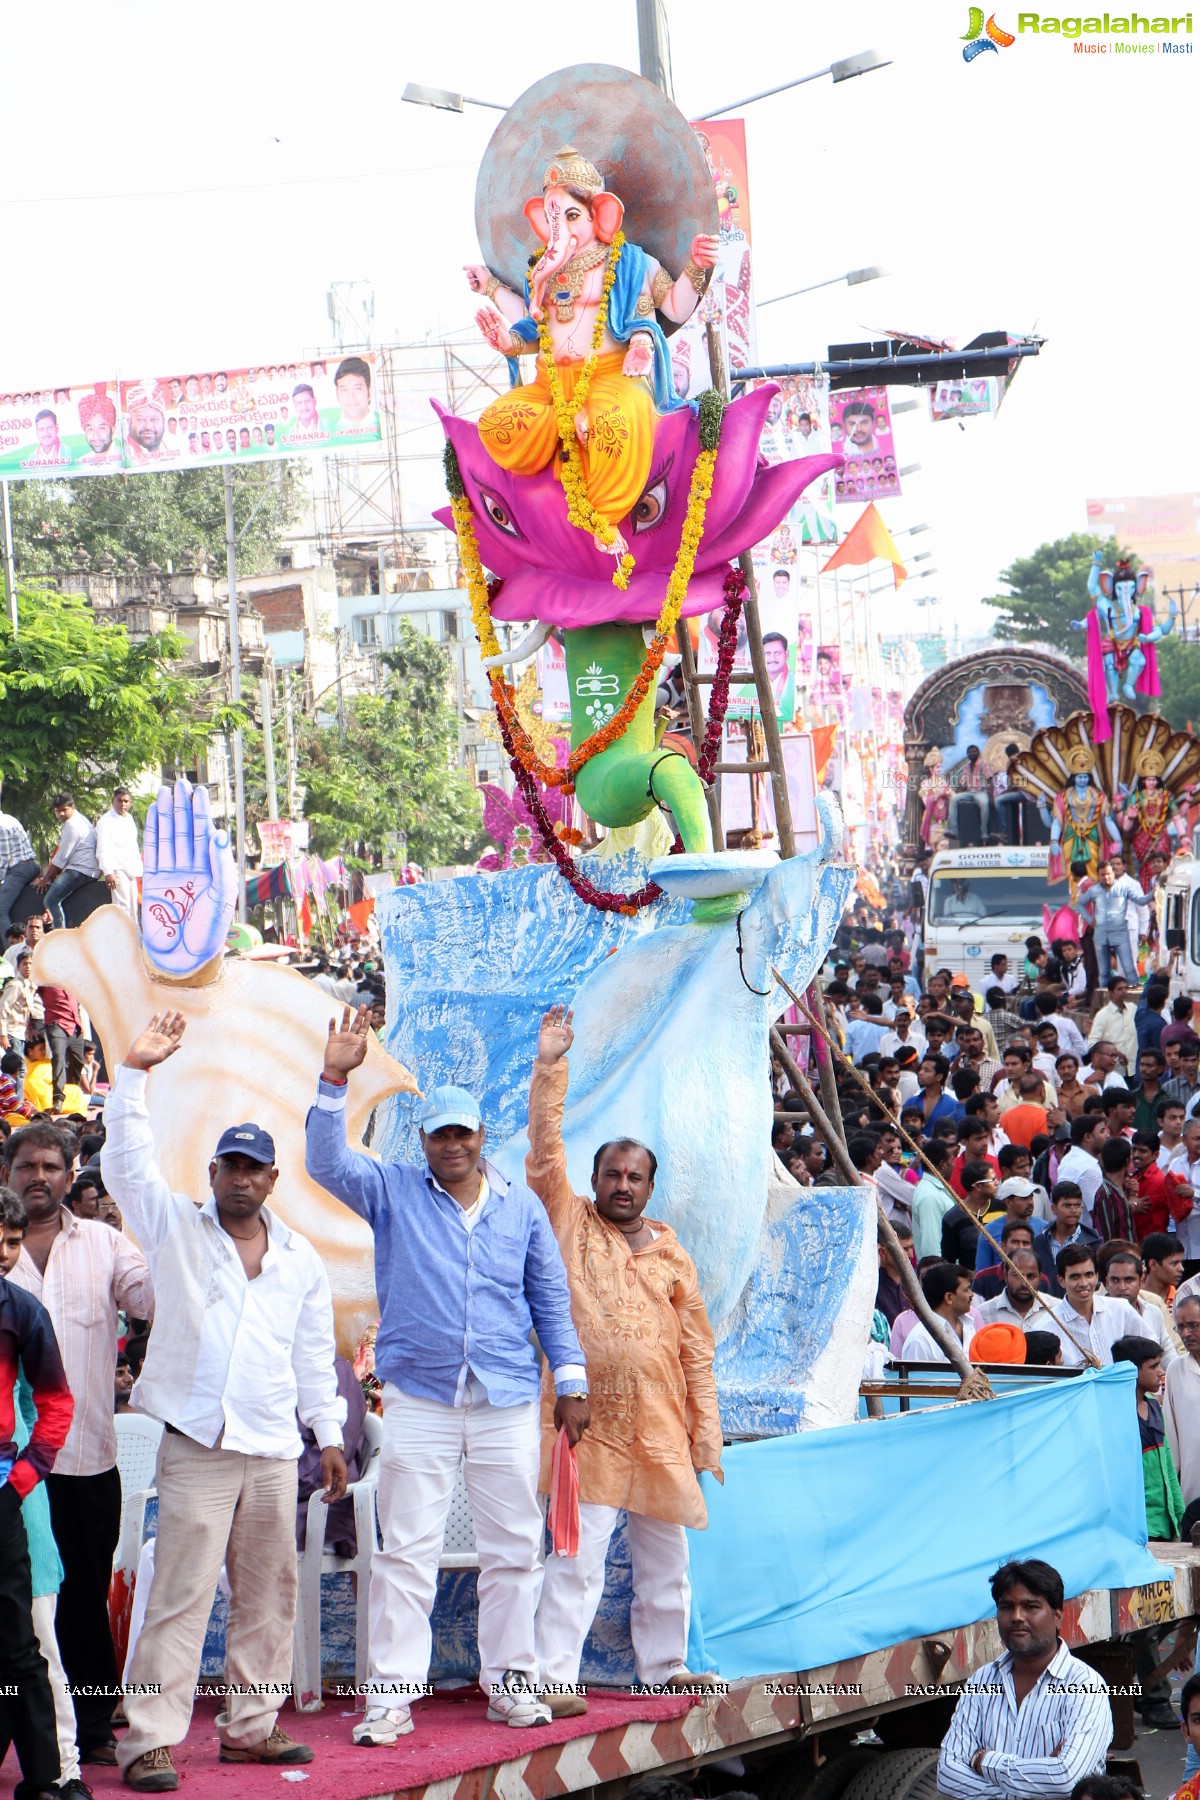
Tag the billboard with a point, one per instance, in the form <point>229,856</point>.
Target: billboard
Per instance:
<point>860,427</point>
<point>1163,531</point>
<point>729,301</point>
<point>191,420</point>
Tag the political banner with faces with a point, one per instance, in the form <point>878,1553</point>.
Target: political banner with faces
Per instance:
<point>190,421</point>
<point>860,426</point>
<point>728,302</point>
<point>52,434</point>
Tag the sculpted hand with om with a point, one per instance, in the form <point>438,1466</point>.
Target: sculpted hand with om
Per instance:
<point>189,888</point>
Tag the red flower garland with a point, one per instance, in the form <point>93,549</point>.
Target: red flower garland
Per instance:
<point>718,698</point>
<point>588,892</point>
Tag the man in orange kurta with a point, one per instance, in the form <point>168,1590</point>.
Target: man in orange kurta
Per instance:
<point>635,1300</point>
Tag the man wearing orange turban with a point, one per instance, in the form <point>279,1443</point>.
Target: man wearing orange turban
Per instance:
<point>98,417</point>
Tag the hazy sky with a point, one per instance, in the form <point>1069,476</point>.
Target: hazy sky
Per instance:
<point>185,191</point>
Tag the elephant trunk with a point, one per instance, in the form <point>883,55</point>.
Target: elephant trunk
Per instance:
<point>558,251</point>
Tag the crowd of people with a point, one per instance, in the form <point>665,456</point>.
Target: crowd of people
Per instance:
<point>1033,1141</point>
<point>215,1318</point>
<point>1033,1138</point>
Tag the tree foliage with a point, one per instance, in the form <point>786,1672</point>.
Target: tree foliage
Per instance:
<point>1048,591</point>
<point>1179,674</point>
<point>156,518</point>
<point>82,706</point>
<point>389,774</point>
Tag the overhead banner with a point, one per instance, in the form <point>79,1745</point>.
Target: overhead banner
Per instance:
<point>190,421</point>
<point>860,426</point>
<point>728,301</point>
<point>797,425</point>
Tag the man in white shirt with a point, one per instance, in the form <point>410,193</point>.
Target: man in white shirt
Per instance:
<point>1181,1403</point>
<point>1123,1281</point>
<point>905,1030</point>
<point>243,1342</point>
<point>1036,1720</point>
<point>73,864</point>
<point>1086,1323</point>
<point>1114,1023</point>
<point>1082,1162</point>
<point>947,1288</point>
<point>35,930</point>
<point>118,852</point>
<point>1016,1303</point>
<point>1069,1035</point>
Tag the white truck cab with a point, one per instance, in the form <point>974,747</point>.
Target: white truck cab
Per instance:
<point>1179,926</point>
<point>982,902</point>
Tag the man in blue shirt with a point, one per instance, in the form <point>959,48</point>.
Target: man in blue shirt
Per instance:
<point>466,1266</point>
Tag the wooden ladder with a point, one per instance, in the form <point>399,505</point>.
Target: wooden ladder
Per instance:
<point>770,762</point>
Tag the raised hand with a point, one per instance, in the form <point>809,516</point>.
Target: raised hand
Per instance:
<point>346,1045</point>
<point>189,888</point>
<point>556,1035</point>
<point>705,250</point>
<point>496,331</point>
<point>161,1038</point>
<point>478,275</point>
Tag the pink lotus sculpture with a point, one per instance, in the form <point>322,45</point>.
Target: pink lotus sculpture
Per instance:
<point>553,572</point>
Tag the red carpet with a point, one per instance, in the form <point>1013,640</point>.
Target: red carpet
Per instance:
<point>451,1736</point>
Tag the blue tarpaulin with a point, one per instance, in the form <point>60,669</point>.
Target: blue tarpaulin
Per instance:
<point>832,1543</point>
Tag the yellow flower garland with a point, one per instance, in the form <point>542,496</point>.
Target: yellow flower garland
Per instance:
<point>503,692</point>
<point>580,510</point>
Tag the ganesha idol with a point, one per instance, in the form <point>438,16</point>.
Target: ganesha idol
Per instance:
<point>598,500</point>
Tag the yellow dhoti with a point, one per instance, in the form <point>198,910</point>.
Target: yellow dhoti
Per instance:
<point>520,432</point>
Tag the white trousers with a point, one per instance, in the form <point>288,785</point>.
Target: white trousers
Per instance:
<point>424,1444</point>
<point>125,893</point>
<point>662,1596</point>
<point>64,1712</point>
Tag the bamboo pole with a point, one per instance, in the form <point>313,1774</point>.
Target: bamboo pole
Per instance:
<point>975,1385</point>
<point>1002,1255</point>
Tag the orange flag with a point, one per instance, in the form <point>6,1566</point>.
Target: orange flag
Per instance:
<point>824,737</point>
<point>868,540</point>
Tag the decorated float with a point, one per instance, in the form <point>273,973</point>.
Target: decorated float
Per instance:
<point>589,499</point>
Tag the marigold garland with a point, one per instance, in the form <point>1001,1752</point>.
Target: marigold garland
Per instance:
<point>580,510</point>
<point>711,411</point>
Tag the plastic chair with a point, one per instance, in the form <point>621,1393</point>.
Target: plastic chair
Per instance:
<point>137,1454</point>
<point>458,1545</point>
<point>138,1439</point>
<point>315,1561</point>
<point>458,1552</point>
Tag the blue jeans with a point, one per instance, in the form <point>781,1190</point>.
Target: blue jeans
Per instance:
<point>60,889</point>
<point>1117,945</point>
<point>11,889</point>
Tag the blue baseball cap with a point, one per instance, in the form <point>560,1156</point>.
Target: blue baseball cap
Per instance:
<point>450,1106</point>
<point>247,1140</point>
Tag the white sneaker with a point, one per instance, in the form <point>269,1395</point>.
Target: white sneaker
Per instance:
<point>383,1725</point>
<point>517,1702</point>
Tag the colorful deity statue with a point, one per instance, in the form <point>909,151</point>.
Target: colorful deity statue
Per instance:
<point>600,503</point>
<point>1082,829</point>
<point>936,794</point>
<point>1121,638</point>
<point>589,292</point>
<point>1147,815</point>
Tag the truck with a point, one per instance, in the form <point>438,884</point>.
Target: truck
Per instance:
<point>981,902</point>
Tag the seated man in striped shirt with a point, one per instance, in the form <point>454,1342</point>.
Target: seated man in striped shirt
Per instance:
<point>1037,1719</point>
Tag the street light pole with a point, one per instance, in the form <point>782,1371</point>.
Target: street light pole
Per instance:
<point>654,45</point>
<point>235,691</point>
<point>10,572</point>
